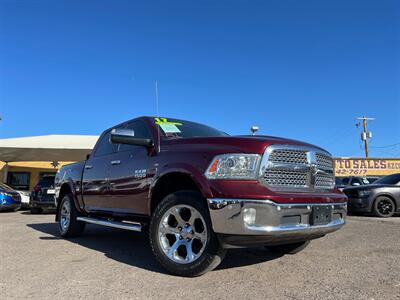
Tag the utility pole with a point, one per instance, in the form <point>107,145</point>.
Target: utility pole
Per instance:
<point>365,135</point>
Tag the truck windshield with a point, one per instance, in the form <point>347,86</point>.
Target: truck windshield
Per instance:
<point>172,128</point>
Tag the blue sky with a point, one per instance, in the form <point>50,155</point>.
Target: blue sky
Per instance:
<point>299,69</point>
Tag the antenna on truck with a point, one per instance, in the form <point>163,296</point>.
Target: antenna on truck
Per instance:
<point>158,115</point>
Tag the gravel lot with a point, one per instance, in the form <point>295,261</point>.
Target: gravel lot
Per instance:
<point>361,261</point>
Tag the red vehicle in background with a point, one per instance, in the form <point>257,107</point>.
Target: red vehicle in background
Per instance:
<point>200,191</point>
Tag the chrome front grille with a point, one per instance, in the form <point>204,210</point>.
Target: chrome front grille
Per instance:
<point>288,156</point>
<point>324,162</point>
<point>297,168</point>
<point>323,181</point>
<point>286,178</point>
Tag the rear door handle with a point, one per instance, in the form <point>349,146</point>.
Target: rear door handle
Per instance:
<point>115,162</point>
<point>87,167</point>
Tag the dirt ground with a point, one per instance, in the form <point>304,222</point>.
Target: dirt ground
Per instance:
<point>361,261</point>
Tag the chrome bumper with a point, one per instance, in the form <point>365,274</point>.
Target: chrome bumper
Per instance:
<point>273,221</point>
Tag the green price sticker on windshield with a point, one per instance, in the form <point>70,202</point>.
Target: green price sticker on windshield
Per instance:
<point>167,126</point>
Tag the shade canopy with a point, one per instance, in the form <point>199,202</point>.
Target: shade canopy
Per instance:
<point>47,148</point>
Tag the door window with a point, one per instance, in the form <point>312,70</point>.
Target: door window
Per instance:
<point>105,147</point>
<point>141,131</point>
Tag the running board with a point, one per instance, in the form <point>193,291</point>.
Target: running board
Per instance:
<point>115,224</point>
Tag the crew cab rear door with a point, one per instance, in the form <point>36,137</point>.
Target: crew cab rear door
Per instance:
<point>129,184</point>
<point>95,183</point>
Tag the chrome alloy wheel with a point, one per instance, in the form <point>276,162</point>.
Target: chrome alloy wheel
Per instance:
<point>65,216</point>
<point>385,207</point>
<point>182,234</point>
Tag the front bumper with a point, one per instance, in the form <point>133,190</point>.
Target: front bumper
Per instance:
<point>246,222</point>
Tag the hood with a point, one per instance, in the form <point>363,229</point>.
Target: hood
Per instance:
<point>242,144</point>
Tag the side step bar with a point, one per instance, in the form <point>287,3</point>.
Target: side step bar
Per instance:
<point>115,224</point>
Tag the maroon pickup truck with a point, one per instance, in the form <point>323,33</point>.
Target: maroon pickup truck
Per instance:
<point>199,191</point>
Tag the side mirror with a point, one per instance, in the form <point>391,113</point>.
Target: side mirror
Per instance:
<point>127,136</point>
<point>87,156</point>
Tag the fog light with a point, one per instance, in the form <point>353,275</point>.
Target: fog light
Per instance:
<point>249,216</point>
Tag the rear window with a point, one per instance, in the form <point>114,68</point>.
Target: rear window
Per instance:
<point>46,181</point>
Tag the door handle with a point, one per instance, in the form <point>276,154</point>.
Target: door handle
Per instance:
<point>87,167</point>
<point>115,162</point>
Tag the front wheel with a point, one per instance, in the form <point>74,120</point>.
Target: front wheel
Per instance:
<point>181,235</point>
<point>68,225</point>
<point>288,248</point>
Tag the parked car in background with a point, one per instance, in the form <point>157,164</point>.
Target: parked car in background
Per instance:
<point>10,199</point>
<point>42,196</point>
<point>342,182</point>
<point>25,198</point>
<point>200,191</point>
<point>382,198</point>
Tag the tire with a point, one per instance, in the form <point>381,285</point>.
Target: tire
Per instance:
<point>68,226</point>
<point>181,235</point>
<point>384,207</point>
<point>36,210</point>
<point>288,248</point>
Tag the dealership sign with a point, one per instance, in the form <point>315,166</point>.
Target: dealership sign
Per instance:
<point>366,167</point>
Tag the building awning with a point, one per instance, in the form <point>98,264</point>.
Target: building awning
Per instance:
<point>47,148</point>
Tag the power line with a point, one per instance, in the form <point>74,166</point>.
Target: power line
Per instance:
<point>387,146</point>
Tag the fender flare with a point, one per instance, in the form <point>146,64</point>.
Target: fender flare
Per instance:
<point>72,187</point>
<point>196,176</point>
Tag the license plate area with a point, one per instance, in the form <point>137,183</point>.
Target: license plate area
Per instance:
<point>321,215</point>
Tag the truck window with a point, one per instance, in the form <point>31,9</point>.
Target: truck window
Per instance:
<point>105,147</point>
<point>141,131</point>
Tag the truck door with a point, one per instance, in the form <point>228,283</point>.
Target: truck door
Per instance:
<point>129,182</point>
<point>95,184</point>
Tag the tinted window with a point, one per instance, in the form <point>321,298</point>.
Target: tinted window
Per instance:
<point>339,181</point>
<point>170,128</point>
<point>141,131</point>
<point>372,179</point>
<point>18,180</point>
<point>346,180</point>
<point>391,179</point>
<point>46,181</point>
<point>105,147</point>
<point>356,180</point>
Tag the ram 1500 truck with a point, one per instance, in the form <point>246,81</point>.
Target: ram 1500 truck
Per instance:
<point>199,191</point>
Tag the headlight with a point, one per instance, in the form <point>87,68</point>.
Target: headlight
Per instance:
<point>364,193</point>
<point>233,166</point>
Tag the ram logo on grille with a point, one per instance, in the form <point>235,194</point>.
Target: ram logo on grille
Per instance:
<point>297,168</point>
